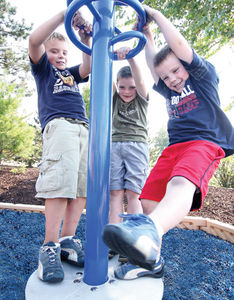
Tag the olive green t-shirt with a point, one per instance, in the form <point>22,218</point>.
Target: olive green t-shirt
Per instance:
<point>129,120</point>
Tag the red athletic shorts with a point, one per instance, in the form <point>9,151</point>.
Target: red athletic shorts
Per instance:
<point>194,160</point>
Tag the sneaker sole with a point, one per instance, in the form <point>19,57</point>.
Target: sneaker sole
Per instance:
<point>151,274</point>
<point>115,238</point>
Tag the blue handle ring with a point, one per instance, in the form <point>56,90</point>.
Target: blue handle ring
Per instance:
<point>136,5</point>
<point>74,5</point>
<point>126,36</point>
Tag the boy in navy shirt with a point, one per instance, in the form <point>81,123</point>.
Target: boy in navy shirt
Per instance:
<point>63,170</point>
<point>200,135</point>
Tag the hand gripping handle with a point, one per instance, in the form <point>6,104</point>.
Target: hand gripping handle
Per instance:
<point>74,5</point>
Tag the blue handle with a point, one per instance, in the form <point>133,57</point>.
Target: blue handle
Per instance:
<point>71,10</point>
<point>136,5</point>
<point>74,5</point>
<point>126,36</point>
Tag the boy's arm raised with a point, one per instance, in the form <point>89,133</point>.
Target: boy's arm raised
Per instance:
<point>39,36</point>
<point>173,37</point>
<point>85,67</point>
<point>150,52</point>
<point>138,78</point>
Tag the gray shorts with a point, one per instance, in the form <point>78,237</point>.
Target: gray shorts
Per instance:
<point>129,165</point>
<point>63,169</point>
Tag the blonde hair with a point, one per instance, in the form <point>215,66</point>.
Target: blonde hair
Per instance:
<point>56,36</point>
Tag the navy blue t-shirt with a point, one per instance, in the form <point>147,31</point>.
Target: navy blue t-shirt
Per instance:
<point>195,114</point>
<point>58,92</point>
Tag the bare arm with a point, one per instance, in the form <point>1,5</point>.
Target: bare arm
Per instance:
<point>85,67</point>
<point>138,78</point>
<point>150,52</point>
<point>173,37</point>
<point>40,35</point>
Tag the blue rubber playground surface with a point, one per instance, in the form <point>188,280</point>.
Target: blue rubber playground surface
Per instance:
<point>198,265</point>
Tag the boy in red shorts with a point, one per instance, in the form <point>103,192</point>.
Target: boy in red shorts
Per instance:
<point>199,136</point>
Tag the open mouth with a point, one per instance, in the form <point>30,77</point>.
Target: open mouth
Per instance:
<point>179,85</point>
<point>61,63</point>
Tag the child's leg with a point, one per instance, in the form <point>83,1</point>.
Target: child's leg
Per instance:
<point>54,212</point>
<point>180,170</point>
<point>49,265</point>
<point>116,206</point>
<point>174,180</point>
<point>134,204</point>
<point>72,216</point>
<point>174,206</point>
<point>71,246</point>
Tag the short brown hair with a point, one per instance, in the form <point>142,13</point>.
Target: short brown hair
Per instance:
<point>162,55</point>
<point>124,72</point>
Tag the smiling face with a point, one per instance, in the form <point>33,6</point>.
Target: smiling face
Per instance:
<point>173,73</point>
<point>127,88</point>
<point>57,53</point>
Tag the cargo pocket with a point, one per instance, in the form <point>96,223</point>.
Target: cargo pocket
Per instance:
<point>50,173</point>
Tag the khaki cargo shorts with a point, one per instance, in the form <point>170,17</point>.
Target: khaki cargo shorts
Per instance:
<point>63,169</point>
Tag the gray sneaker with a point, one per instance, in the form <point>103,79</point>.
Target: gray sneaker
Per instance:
<point>136,238</point>
<point>72,252</point>
<point>128,271</point>
<point>49,267</point>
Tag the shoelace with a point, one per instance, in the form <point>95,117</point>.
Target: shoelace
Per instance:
<point>78,242</point>
<point>52,252</point>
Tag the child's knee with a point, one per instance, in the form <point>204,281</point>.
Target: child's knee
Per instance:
<point>180,181</point>
<point>148,206</point>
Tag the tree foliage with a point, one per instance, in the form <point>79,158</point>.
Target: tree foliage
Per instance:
<point>86,96</point>
<point>13,58</point>
<point>37,146</point>
<point>157,145</point>
<point>206,24</point>
<point>16,135</point>
<point>223,176</point>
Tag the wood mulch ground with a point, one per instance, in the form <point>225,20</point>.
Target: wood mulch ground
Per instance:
<point>20,188</point>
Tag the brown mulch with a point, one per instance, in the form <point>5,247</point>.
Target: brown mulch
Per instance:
<point>20,188</point>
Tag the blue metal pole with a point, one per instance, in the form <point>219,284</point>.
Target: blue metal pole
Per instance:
<point>98,191</point>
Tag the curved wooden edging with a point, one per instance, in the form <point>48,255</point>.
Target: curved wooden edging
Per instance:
<point>219,229</point>
<point>23,207</point>
<point>222,230</point>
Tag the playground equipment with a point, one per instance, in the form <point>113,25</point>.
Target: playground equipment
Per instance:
<point>105,36</point>
<point>96,252</point>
